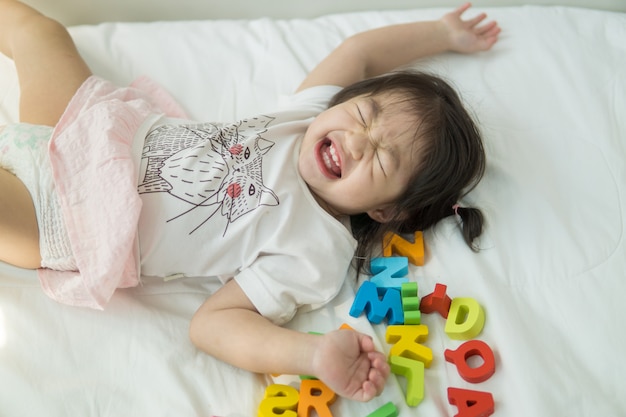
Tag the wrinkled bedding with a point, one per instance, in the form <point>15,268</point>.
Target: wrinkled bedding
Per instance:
<point>551,273</point>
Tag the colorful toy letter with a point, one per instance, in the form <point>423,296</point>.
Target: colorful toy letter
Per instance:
<point>471,403</point>
<point>389,272</point>
<point>413,371</point>
<point>468,349</point>
<point>315,395</point>
<point>406,343</point>
<point>367,300</point>
<point>437,301</point>
<point>402,247</point>
<point>387,410</point>
<point>465,319</point>
<point>411,303</point>
<point>279,400</point>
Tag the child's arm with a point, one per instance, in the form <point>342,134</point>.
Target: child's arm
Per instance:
<point>228,327</point>
<point>377,51</point>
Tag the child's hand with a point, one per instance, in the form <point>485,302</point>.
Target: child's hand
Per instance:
<point>347,362</point>
<point>466,36</point>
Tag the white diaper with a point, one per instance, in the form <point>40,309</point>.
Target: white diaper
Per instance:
<point>24,152</point>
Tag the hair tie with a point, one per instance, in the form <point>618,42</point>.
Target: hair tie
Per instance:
<point>456,208</point>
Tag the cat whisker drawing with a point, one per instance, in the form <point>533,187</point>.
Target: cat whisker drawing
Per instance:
<point>208,165</point>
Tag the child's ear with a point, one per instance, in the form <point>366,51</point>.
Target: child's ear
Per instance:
<point>381,215</point>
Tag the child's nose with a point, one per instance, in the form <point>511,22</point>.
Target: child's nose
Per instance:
<point>357,144</point>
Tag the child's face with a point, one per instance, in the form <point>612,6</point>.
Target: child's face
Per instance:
<point>358,156</point>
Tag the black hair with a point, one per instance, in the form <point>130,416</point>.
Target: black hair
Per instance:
<point>450,163</point>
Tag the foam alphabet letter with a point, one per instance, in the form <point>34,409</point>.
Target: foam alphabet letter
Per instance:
<point>468,349</point>
<point>437,301</point>
<point>367,300</point>
<point>471,403</point>
<point>387,410</point>
<point>413,371</point>
<point>411,303</point>
<point>402,247</point>
<point>389,272</point>
<point>279,400</point>
<point>406,343</point>
<point>315,395</point>
<point>465,319</point>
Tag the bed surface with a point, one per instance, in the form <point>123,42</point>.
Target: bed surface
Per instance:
<point>551,273</point>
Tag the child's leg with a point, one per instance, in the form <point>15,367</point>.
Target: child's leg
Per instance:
<point>19,234</point>
<point>49,68</point>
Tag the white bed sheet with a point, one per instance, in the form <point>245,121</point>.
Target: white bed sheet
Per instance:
<point>551,275</point>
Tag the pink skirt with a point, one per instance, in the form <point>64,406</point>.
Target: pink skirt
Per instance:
<point>95,175</point>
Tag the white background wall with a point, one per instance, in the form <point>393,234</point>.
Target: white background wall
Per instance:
<point>73,12</point>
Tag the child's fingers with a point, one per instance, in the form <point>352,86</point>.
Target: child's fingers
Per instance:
<point>376,387</point>
<point>378,377</point>
<point>379,363</point>
<point>366,342</point>
<point>494,31</point>
<point>476,20</point>
<point>485,29</point>
<point>369,391</point>
<point>462,8</point>
<point>490,37</point>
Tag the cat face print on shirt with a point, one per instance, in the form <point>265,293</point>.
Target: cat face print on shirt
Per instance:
<point>208,165</point>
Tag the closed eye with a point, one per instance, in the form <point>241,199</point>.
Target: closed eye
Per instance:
<point>361,116</point>
<point>380,163</point>
<point>374,110</point>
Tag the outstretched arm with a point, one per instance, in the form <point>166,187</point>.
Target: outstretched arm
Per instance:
<point>377,51</point>
<point>228,327</point>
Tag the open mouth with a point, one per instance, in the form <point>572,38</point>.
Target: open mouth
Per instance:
<point>329,160</point>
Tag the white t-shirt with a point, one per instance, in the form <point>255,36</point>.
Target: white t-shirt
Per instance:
<point>227,200</point>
